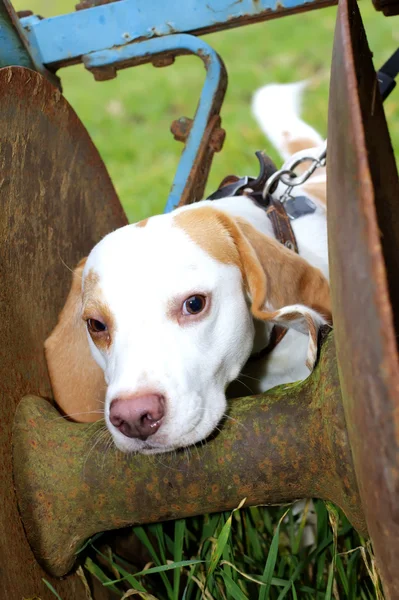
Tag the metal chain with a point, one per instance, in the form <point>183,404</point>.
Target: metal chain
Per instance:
<point>287,174</point>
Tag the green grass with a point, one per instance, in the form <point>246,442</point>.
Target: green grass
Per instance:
<point>254,553</point>
<point>129,117</point>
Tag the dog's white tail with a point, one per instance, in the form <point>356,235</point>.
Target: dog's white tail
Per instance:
<point>277,107</point>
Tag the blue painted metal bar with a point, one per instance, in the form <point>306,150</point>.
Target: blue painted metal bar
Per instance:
<point>64,39</point>
<point>13,51</point>
<point>130,32</point>
<point>14,45</point>
<point>209,104</point>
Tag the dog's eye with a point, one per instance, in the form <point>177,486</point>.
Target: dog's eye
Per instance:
<point>194,305</point>
<point>95,326</point>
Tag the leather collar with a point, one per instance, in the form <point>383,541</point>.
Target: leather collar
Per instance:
<point>253,188</point>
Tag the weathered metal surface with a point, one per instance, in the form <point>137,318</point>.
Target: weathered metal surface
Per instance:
<point>90,3</point>
<point>388,7</point>
<point>119,23</point>
<point>363,220</point>
<point>56,202</point>
<point>289,443</point>
<point>192,172</point>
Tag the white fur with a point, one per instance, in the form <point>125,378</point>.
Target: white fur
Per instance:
<point>277,110</point>
<point>143,270</point>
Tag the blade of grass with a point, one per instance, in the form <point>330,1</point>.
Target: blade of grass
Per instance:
<point>89,541</point>
<point>221,542</point>
<point>180,528</point>
<point>233,589</point>
<point>157,530</point>
<point>271,562</point>
<point>126,576</point>
<point>328,594</point>
<point>144,539</point>
<point>99,574</point>
<point>294,596</point>
<point>143,595</point>
<point>302,523</point>
<point>161,569</point>
<point>50,587</point>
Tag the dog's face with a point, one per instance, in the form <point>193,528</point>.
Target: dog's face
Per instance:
<point>166,309</point>
<point>170,327</point>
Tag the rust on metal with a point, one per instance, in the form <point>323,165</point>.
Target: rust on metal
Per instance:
<point>91,3</point>
<point>181,128</point>
<point>363,223</point>
<point>24,13</point>
<point>57,201</point>
<point>217,139</point>
<point>211,142</point>
<point>163,61</point>
<point>252,18</point>
<point>104,73</point>
<point>388,7</point>
<point>289,443</point>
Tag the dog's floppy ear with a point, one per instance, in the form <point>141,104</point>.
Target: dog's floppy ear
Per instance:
<point>77,381</point>
<point>282,286</point>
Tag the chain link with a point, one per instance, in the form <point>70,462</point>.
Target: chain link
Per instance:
<point>287,174</point>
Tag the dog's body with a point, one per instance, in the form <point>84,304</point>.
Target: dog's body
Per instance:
<point>171,308</point>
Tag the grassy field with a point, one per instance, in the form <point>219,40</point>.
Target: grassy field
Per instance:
<point>255,553</point>
<point>129,117</point>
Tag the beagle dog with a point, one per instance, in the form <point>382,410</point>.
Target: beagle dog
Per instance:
<point>164,314</point>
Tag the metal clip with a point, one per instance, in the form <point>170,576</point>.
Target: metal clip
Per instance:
<point>287,174</point>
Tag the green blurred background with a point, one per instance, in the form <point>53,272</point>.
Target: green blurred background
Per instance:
<point>129,117</point>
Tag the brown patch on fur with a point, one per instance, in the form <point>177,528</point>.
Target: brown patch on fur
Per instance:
<point>290,279</point>
<point>77,381</point>
<point>91,282</point>
<point>271,272</point>
<point>208,228</point>
<point>142,223</point>
<point>96,308</point>
<point>294,145</point>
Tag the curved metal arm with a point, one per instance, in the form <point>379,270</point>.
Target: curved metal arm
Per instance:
<point>289,443</point>
<point>192,172</point>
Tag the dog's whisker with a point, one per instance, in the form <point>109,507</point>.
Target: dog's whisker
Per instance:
<point>244,384</point>
<point>226,416</point>
<point>102,434</point>
<point>78,414</point>
<point>250,377</point>
<point>65,265</point>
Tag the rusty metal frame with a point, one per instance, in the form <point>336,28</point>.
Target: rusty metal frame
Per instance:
<point>256,456</point>
<point>363,228</point>
<point>203,136</point>
<point>360,462</point>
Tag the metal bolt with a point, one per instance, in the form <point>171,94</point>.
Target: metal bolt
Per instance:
<point>24,13</point>
<point>103,73</point>
<point>163,61</point>
<point>181,128</point>
<point>217,139</point>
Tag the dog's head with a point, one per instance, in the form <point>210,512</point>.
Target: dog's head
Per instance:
<point>166,309</point>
